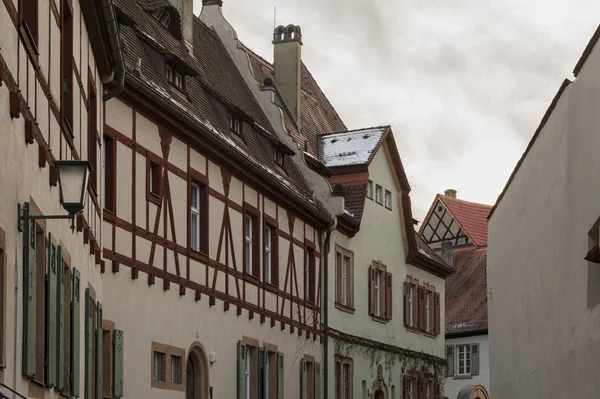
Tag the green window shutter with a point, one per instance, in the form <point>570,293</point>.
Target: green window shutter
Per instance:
<point>303,379</point>
<point>60,339</point>
<point>475,359</point>
<point>88,345</point>
<point>29,294</point>
<point>317,380</point>
<point>118,364</point>
<point>99,350</point>
<point>280,394</point>
<point>241,370</point>
<point>264,355</point>
<point>75,333</point>
<point>51,314</point>
<point>450,360</point>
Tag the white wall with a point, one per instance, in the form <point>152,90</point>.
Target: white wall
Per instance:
<point>544,339</point>
<point>453,386</point>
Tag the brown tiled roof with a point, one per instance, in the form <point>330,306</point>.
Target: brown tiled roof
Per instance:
<point>317,115</point>
<point>466,292</point>
<point>471,216</point>
<point>213,84</point>
<point>426,249</point>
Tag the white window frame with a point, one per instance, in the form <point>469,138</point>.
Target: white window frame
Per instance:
<point>370,190</point>
<point>463,351</point>
<point>268,254</point>
<point>176,369</point>
<point>411,388</point>
<point>195,211</point>
<point>378,194</point>
<point>237,126</point>
<point>411,299</point>
<point>428,296</point>
<point>388,199</point>
<point>178,81</point>
<point>307,274</point>
<point>103,175</point>
<point>230,121</point>
<point>345,271</point>
<point>378,282</point>
<point>169,73</point>
<point>248,379</point>
<point>248,239</point>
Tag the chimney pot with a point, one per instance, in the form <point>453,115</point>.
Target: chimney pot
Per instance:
<point>450,193</point>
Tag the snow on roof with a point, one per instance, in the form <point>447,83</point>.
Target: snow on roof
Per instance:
<point>350,148</point>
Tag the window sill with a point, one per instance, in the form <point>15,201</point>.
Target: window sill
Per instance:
<point>154,198</point>
<point>271,287</point>
<point>344,308</point>
<point>462,377</point>
<point>380,319</point>
<point>413,330</point>
<point>252,278</point>
<point>430,335</point>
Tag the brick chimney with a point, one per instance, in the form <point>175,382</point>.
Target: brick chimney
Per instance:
<point>450,193</point>
<point>287,43</point>
<point>186,12</point>
<point>447,252</point>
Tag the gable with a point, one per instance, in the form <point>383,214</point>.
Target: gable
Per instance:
<point>441,226</point>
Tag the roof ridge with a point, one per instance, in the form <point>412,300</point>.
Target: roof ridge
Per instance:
<point>356,130</point>
<point>464,201</point>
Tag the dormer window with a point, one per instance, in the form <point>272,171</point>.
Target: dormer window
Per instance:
<point>174,77</point>
<point>162,16</point>
<point>235,125</point>
<point>278,157</point>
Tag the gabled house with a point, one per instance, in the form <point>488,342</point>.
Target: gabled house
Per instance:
<point>458,230</point>
<point>543,271</point>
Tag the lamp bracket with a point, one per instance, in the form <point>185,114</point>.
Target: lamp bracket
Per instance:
<point>21,218</point>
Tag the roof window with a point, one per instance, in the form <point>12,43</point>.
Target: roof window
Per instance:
<point>175,77</point>
<point>163,16</point>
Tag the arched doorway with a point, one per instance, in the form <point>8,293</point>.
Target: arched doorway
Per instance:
<point>379,394</point>
<point>196,381</point>
<point>473,392</point>
<point>379,387</point>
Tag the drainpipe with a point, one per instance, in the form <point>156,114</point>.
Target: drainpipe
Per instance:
<point>326,312</point>
<point>112,32</point>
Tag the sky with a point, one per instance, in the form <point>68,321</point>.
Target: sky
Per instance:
<point>463,83</point>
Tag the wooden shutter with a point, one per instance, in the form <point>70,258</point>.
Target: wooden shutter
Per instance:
<point>29,294</point>
<point>406,304</point>
<point>264,364</point>
<point>241,369</point>
<point>118,364</point>
<point>450,360</point>
<point>303,383</point>
<point>51,313</point>
<point>372,291</point>
<point>75,332</point>
<point>475,359</point>
<point>280,386</point>
<point>98,369</point>
<point>60,339</point>
<point>422,308</point>
<point>317,380</point>
<point>88,345</point>
<point>422,389</point>
<point>436,314</point>
<point>406,387</point>
<point>388,295</point>
<point>339,259</point>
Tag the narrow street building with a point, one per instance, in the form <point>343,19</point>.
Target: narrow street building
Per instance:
<point>457,229</point>
<point>543,271</point>
<point>58,65</point>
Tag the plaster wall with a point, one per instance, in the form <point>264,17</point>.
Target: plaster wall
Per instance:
<point>455,384</point>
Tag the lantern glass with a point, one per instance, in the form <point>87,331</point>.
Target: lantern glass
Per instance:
<point>72,181</point>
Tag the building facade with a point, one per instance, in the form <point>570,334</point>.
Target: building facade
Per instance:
<point>543,274</point>
<point>57,67</point>
<point>458,230</point>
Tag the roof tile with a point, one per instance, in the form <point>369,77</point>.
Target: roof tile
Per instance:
<point>472,217</point>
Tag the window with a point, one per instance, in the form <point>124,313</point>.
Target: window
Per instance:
<point>112,361</point>
<point>92,134</point>
<point>343,378</point>
<point>309,273</point>
<point>248,370</point>
<point>411,303</point>
<point>41,261</point>
<point>410,387</point>
<point>235,125</point>
<point>67,64</point>
<point>176,369</point>
<point>271,263</point>
<point>428,311</point>
<point>198,216</point>
<point>428,318</point>
<point>379,194</point>
<point>109,183</point>
<point>345,278</point>
<point>370,190</point>
<point>251,242</point>
<point>380,292</point>
<point>388,199</point>
<point>162,16</point>
<point>174,76</point>
<point>278,157</point>
<point>159,366</point>
<point>154,180</point>
<point>267,369</point>
<point>29,15</point>
<point>463,359</point>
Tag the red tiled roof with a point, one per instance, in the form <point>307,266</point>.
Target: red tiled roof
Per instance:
<point>471,216</point>
<point>466,292</point>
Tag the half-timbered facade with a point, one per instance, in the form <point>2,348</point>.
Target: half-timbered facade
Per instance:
<point>58,63</point>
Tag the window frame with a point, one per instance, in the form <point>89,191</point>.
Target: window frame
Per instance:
<point>177,378</point>
<point>310,274</point>
<point>466,369</point>
<point>380,296</point>
<point>379,194</point>
<point>109,174</point>
<point>92,134</point>
<point>158,373</point>
<point>344,285</point>
<point>29,18</point>
<point>197,179</point>
<point>154,176</point>
<point>340,363</point>
<point>67,44</point>
<point>411,304</point>
<point>169,352</point>
<point>370,190</point>
<point>273,225</point>
<point>235,124</point>
<point>251,261</point>
<point>388,199</point>
<point>175,76</point>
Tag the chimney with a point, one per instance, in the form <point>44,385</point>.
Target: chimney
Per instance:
<point>287,43</point>
<point>186,12</point>
<point>447,252</point>
<point>450,193</point>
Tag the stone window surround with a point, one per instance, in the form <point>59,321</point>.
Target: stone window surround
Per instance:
<point>169,351</point>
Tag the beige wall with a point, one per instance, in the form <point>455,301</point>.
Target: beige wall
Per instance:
<point>21,178</point>
<point>381,237</point>
<point>150,313</point>
<point>543,332</point>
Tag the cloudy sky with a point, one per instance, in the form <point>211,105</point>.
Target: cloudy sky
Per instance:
<point>464,83</point>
